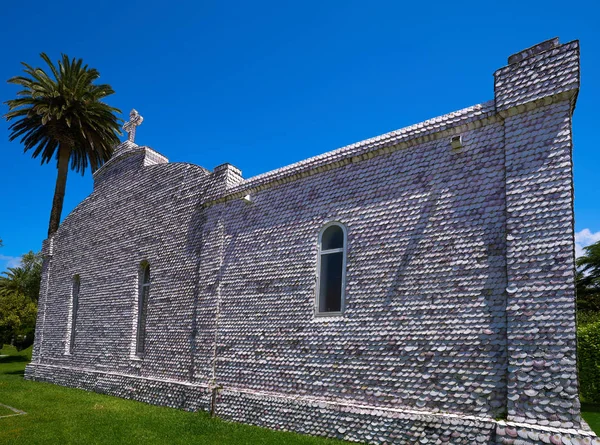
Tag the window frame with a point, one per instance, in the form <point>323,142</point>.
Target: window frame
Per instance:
<point>144,266</point>
<point>73,310</point>
<point>320,253</point>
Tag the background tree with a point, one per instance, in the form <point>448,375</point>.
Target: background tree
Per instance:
<point>19,291</point>
<point>17,320</point>
<point>588,282</point>
<point>588,320</point>
<point>62,116</point>
<point>24,279</point>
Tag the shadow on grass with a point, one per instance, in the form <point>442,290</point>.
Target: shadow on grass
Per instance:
<point>590,407</point>
<point>21,373</point>
<point>14,359</point>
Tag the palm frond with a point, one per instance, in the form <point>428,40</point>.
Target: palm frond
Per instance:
<point>62,106</point>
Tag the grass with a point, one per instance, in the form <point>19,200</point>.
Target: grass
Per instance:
<point>58,415</point>
<point>591,414</point>
<point>5,411</point>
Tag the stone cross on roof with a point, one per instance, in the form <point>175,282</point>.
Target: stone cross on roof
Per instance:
<point>135,119</point>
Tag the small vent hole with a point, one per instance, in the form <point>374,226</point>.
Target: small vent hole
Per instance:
<point>456,142</point>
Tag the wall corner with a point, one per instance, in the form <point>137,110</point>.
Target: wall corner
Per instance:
<point>36,355</point>
<point>542,74</point>
<point>540,310</point>
<point>223,178</point>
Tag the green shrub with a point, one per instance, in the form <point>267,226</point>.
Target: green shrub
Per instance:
<point>588,339</point>
<point>587,317</point>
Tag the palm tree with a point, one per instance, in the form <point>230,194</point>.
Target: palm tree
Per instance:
<point>13,281</point>
<point>63,117</point>
<point>23,279</point>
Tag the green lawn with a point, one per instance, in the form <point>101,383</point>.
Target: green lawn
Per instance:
<point>58,415</point>
<point>591,414</point>
<point>5,411</point>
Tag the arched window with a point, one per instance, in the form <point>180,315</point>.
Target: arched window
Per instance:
<point>144,294</point>
<point>74,308</point>
<point>331,279</point>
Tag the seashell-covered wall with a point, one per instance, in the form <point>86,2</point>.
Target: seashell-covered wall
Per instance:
<point>458,321</point>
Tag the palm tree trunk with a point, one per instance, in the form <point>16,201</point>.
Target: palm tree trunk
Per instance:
<point>64,153</point>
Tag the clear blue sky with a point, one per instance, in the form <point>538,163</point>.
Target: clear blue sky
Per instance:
<point>265,84</point>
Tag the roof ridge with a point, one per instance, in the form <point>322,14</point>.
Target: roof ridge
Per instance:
<point>432,125</point>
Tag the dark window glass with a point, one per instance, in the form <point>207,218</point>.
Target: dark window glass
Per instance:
<point>74,312</point>
<point>143,310</point>
<point>333,238</point>
<point>330,292</point>
<point>146,276</point>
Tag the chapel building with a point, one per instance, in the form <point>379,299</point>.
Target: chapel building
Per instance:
<point>417,287</point>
